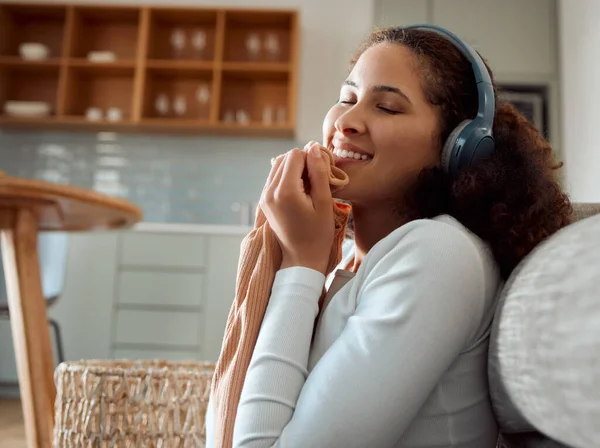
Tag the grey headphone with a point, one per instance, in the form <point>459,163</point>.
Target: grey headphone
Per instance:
<point>472,140</point>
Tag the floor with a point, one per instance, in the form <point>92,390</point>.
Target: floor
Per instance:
<point>12,431</point>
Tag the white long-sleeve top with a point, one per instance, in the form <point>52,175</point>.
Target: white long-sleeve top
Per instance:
<point>399,353</point>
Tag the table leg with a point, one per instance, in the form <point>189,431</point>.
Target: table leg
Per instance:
<point>30,331</point>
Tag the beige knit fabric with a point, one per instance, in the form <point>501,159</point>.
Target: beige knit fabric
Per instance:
<point>260,259</point>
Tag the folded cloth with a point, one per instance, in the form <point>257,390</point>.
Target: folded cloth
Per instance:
<point>260,258</point>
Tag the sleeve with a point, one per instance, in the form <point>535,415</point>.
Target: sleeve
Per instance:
<point>418,306</point>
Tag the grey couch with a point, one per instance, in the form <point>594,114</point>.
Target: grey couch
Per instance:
<point>544,359</point>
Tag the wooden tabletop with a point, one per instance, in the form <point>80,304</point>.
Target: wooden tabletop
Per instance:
<point>63,207</point>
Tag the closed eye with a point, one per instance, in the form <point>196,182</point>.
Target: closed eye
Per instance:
<point>388,111</point>
<point>380,107</point>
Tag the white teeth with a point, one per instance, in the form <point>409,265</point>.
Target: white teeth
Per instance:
<point>344,154</point>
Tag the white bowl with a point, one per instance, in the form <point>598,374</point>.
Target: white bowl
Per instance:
<point>33,51</point>
<point>114,114</point>
<point>93,114</point>
<point>27,108</point>
<point>101,56</point>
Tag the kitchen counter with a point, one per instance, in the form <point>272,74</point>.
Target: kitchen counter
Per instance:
<point>186,228</point>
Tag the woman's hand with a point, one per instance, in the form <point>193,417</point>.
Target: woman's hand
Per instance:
<point>299,208</point>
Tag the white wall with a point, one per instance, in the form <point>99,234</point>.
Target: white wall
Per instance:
<point>579,43</point>
<point>330,32</point>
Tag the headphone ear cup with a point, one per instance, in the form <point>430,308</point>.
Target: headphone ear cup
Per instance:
<point>448,149</point>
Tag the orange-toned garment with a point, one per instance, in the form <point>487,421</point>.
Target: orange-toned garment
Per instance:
<point>260,258</point>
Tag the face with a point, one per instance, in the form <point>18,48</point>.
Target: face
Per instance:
<point>382,131</point>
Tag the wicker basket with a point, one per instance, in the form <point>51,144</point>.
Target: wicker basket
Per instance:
<point>131,404</point>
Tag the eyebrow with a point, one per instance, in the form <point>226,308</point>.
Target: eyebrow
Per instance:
<point>382,88</point>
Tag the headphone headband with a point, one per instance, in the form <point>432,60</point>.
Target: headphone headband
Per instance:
<point>485,90</point>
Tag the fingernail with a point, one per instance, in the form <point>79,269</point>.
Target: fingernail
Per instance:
<point>272,161</point>
<point>315,150</point>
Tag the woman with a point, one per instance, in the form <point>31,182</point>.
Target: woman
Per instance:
<point>398,355</point>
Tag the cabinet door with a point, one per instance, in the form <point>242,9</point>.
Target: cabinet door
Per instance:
<point>156,328</point>
<point>162,250</point>
<point>515,36</point>
<point>223,252</point>
<point>84,310</point>
<point>400,12</point>
<point>163,289</point>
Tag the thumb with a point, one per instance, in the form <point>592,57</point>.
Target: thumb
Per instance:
<point>318,174</point>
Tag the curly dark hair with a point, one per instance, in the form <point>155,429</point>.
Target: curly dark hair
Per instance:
<point>513,200</point>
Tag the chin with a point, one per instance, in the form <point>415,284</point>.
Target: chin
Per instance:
<point>340,194</point>
<point>345,194</point>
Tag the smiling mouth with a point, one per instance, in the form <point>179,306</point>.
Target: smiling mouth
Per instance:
<point>342,154</point>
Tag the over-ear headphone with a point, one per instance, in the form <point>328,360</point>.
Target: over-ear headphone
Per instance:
<point>472,140</point>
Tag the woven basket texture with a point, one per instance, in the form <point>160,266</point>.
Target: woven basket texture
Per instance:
<point>123,403</point>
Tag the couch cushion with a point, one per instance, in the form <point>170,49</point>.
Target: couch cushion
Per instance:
<point>510,419</point>
<point>545,343</point>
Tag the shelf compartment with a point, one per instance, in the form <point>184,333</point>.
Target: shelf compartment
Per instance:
<point>263,36</point>
<point>193,29</point>
<point>263,96</point>
<point>43,24</point>
<point>113,29</point>
<point>166,90</point>
<point>29,84</point>
<point>110,87</point>
<point>140,37</point>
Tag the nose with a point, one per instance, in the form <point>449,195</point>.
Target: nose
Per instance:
<point>351,121</point>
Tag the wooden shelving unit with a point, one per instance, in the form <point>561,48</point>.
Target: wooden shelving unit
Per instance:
<point>178,70</point>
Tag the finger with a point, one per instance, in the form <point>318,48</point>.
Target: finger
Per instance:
<point>277,171</point>
<point>295,163</point>
<point>272,179</point>
<point>275,164</point>
<point>309,144</point>
<point>318,173</point>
